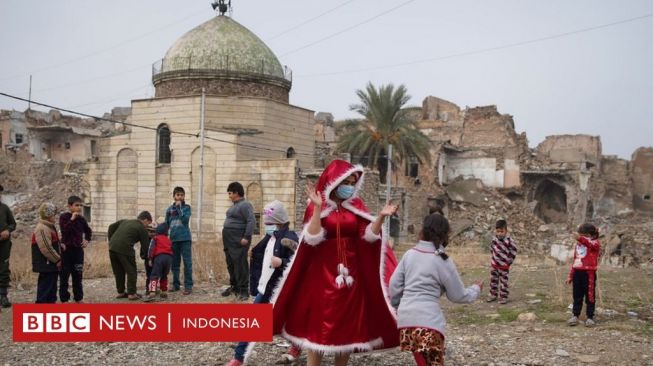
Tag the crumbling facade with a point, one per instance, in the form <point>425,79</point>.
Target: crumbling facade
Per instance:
<point>481,170</point>
<point>54,136</point>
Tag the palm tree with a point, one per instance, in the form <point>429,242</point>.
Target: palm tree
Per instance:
<point>385,121</point>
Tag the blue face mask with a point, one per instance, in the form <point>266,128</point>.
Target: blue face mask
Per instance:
<point>344,191</point>
<point>270,229</point>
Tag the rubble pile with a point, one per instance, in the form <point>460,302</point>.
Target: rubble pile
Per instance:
<point>473,209</point>
<point>627,239</point>
<point>26,210</point>
<point>31,183</point>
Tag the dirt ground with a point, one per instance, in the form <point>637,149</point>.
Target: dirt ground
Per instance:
<point>478,334</point>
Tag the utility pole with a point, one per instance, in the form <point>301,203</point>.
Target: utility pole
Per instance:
<point>201,183</point>
<point>388,192</point>
<point>29,103</point>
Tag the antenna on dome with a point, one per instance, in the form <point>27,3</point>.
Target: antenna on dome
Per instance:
<point>222,6</point>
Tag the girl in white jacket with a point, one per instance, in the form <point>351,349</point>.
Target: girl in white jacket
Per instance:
<point>423,275</point>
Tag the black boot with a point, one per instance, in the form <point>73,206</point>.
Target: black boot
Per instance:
<point>4,301</point>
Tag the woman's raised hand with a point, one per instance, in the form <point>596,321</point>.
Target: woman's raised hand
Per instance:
<point>314,196</point>
<point>388,210</point>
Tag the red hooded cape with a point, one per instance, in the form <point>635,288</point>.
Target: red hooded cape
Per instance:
<point>333,295</point>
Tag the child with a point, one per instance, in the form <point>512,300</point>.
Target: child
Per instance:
<point>422,276</point>
<point>7,225</point>
<point>177,218</point>
<point>46,255</point>
<point>151,232</point>
<point>75,236</point>
<point>160,259</point>
<point>583,272</point>
<point>504,252</point>
<point>269,258</point>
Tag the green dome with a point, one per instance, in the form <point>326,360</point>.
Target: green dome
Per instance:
<point>222,44</point>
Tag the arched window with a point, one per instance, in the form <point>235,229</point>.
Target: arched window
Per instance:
<point>290,153</point>
<point>163,144</point>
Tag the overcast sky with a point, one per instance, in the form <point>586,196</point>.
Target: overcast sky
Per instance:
<point>557,66</point>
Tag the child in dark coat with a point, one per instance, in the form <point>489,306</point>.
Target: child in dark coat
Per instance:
<point>269,259</point>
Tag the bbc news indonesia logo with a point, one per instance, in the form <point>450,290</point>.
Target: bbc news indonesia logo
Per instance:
<point>142,322</point>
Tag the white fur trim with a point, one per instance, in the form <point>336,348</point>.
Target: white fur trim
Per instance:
<point>331,205</point>
<point>385,246</point>
<point>316,239</point>
<point>284,276</point>
<point>366,215</point>
<point>248,351</point>
<point>304,343</point>
<point>369,236</point>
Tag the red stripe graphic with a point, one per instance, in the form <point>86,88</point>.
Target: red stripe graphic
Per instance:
<point>142,322</point>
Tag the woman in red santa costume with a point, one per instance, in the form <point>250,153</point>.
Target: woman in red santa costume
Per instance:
<point>333,298</point>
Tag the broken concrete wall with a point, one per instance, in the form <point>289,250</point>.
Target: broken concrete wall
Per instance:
<point>614,195</point>
<point>325,138</point>
<point>436,109</point>
<point>13,130</point>
<point>486,127</point>
<point>482,168</point>
<point>325,130</point>
<point>571,148</point>
<point>642,176</point>
<point>61,146</point>
<point>442,132</point>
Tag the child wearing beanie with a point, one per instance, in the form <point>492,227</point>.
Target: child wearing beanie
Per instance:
<point>269,259</point>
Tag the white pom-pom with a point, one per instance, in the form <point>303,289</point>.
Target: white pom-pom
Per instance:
<point>340,281</point>
<point>344,271</point>
<point>340,267</point>
<point>349,280</point>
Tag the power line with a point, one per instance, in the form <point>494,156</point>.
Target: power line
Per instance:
<point>94,53</point>
<point>197,135</point>
<point>347,29</point>
<point>479,51</point>
<point>116,97</point>
<point>309,20</point>
<point>86,81</point>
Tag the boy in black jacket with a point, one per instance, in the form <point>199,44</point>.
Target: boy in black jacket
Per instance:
<point>75,236</point>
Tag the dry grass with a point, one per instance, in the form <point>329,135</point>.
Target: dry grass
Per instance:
<point>208,262</point>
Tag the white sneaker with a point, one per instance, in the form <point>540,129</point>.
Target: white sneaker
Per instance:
<point>590,323</point>
<point>572,321</point>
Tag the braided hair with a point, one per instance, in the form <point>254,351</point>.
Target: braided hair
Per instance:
<point>436,229</point>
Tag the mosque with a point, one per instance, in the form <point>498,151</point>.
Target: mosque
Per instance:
<point>220,113</point>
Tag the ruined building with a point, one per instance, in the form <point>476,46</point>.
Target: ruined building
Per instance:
<point>481,169</point>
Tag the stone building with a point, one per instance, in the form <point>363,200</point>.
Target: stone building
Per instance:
<point>13,130</point>
<point>52,135</point>
<point>251,133</point>
<point>642,176</point>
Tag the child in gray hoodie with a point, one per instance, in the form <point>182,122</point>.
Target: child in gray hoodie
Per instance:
<point>423,275</point>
